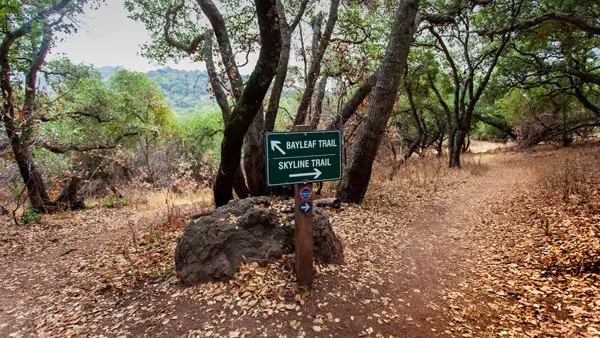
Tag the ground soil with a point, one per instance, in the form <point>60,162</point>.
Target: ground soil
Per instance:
<point>411,258</point>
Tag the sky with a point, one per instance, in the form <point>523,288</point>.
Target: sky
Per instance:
<point>107,37</point>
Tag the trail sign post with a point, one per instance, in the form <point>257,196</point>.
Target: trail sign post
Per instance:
<point>303,156</point>
<point>299,158</point>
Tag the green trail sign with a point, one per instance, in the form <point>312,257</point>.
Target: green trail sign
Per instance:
<point>303,156</point>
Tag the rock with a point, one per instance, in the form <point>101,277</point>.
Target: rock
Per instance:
<point>327,247</point>
<point>95,188</point>
<point>331,202</point>
<point>211,248</point>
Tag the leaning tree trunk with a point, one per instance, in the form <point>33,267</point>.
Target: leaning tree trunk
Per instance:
<point>38,197</point>
<point>316,118</point>
<point>36,190</point>
<point>18,133</point>
<point>353,186</point>
<point>237,85</point>
<point>250,101</point>
<point>284,58</point>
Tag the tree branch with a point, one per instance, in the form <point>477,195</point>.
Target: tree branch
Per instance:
<point>556,16</point>
<point>315,66</point>
<point>216,86</point>
<point>190,48</point>
<point>66,149</point>
<point>298,15</point>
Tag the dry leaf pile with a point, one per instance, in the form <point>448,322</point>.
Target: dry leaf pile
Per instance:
<point>541,277</point>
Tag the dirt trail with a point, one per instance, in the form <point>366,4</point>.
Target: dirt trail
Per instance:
<point>406,260</point>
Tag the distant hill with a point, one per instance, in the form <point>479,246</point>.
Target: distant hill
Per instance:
<point>185,91</point>
<point>108,71</point>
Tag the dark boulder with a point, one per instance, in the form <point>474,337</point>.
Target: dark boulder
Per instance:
<point>327,247</point>
<point>69,198</point>
<point>211,247</point>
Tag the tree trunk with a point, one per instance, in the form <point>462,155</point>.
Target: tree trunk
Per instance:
<point>36,190</point>
<point>316,118</point>
<point>282,68</point>
<point>353,186</point>
<point>254,157</point>
<point>254,146</point>
<point>250,101</point>
<point>455,145</point>
<point>18,139</point>
<point>239,182</point>
<point>315,65</point>
<point>418,124</point>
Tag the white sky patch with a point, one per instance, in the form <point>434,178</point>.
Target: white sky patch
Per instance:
<point>107,37</point>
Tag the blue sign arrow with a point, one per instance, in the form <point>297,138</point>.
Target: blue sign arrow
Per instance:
<point>305,193</point>
<point>306,207</point>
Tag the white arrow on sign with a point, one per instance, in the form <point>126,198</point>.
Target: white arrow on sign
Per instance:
<point>316,173</point>
<point>275,145</point>
<point>305,207</point>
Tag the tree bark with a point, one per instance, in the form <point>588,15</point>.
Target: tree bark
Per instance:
<point>353,186</point>
<point>282,68</point>
<point>254,147</point>
<point>69,197</point>
<point>250,102</point>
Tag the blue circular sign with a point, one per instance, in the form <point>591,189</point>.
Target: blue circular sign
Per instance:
<point>306,207</point>
<point>305,193</point>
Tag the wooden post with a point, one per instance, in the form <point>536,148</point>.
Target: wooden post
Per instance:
<point>304,228</point>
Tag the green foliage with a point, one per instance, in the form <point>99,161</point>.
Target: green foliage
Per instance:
<point>113,201</point>
<point>91,112</point>
<point>140,101</point>
<point>484,131</point>
<point>185,91</point>
<point>201,134</point>
<point>153,15</point>
<point>30,217</point>
<point>371,27</point>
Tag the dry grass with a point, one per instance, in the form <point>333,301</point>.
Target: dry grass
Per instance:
<point>424,176</point>
<point>154,198</point>
<point>565,173</point>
